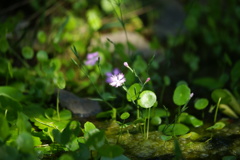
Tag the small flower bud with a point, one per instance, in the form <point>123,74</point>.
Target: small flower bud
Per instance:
<point>191,95</point>
<point>148,79</point>
<point>125,64</point>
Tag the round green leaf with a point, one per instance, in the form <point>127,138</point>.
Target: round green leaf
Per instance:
<point>27,52</point>
<point>156,120</point>
<point>124,115</point>
<point>181,95</point>
<point>133,92</point>
<point>88,126</point>
<point>42,56</point>
<point>220,93</point>
<point>201,103</point>
<point>147,99</point>
<point>41,36</point>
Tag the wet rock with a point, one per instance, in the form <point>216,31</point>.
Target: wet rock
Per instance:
<point>81,107</point>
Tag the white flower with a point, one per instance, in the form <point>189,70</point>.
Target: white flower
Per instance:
<point>117,80</point>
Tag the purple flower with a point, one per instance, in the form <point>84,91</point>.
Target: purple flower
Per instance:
<point>92,58</point>
<point>117,80</point>
<point>110,74</point>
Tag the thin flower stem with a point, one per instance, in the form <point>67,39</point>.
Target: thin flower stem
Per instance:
<point>216,112</point>
<point>148,123</point>
<point>85,72</point>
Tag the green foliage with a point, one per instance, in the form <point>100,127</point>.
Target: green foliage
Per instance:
<point>27,52</point>
<point>94,19</point>
<point>147,99</point>
<point>201,103</point>
<point>125,115</point>
<point>181,95</point>
<point>229,158</point>
<point>25,142</point>
<point>133,92</point>
<point>217,126</point>
<point>173,129</point>
<point>35,62</point>
<point>41,36</point>
<point>220,93</point>
<point>4,46</point>
<point>156,120</point>
<point>42,56</point>
<point>4,128</point>
<point>190,119</point>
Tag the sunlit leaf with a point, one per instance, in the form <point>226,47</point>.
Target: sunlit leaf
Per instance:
<point>36,141</point>
<point>94,19</point>
<point>147,99</point>
<point>88,126</point>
